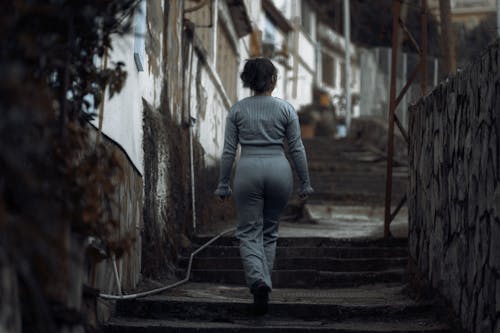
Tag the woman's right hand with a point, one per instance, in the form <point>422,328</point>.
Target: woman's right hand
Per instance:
<point>223,192</point>
<point>303,197</point>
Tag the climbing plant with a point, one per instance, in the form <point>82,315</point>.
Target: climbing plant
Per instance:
<point>57,182</point>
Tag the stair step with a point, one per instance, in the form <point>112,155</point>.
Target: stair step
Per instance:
<point>265,325</point>
<point>318,252</point>
<point>301,278</point>
<point>290,263</point>
<point>185,308</point>
<point>322,242</point>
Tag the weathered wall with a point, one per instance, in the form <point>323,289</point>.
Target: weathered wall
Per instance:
<point>166,154</point>
<point>454,195</point>
<point>193,90</point>
<point>209,105</point>
<point>127,210</point>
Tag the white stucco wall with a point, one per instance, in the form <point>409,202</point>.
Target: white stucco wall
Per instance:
<point>305,83</point>
<point>123,114</point>
<point>307,51</point>
<point>209,107</point>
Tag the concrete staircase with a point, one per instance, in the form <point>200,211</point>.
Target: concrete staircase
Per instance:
<point>343,171</point>
<point>348,285</point>
<point>321,285</point>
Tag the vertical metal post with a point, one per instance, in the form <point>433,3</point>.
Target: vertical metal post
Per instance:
<point>498,18</point>
<point>396,9</point>
<point>319,65</point>
<point>436,68</point>
<point>296,23</point>
<point>404,102</point>
<point>389,73</point>
<point>424,48</point>
<point>347,35</point>
<point>215,26</point>
<point>295,47</point>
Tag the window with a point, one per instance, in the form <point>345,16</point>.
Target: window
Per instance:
<point>306,13</point>
<point>328,72</point>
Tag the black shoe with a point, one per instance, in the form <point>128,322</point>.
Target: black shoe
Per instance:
<point>260,293</point>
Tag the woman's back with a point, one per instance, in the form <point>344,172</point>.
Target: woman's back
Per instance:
<point>262,120</point>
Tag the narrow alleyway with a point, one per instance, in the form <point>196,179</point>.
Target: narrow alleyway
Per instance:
<point>332,275</point>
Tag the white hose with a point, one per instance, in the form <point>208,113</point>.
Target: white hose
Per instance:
<point>176,284</point>
<point>117,276</point>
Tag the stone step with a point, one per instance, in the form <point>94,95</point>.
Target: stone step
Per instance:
<point>304,278</point>
<point>373,188</point>
<point>321,242</point>
<point>315,263</point>
<point>343,196</point>
<point>330,174</point>
<point>318,252</point>
<point>210,302</point>
<point>262,325</point>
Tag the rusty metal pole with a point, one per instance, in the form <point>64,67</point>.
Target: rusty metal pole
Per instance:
<point>423,55</point>
<point>396,9</point>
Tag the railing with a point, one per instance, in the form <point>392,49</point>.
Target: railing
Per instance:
<point>394,101</point>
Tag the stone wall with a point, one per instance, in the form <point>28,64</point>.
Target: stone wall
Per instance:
<point>454,195</point>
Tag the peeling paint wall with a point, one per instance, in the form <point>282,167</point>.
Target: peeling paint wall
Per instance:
<point>209,106</point>
<point>166,147</point>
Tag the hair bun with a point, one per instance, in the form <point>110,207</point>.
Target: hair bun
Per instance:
<point>258,74</point>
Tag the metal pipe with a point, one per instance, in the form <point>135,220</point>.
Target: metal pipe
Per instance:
<point>404,107</point>
<point>215,25</point>
<point>117,276</point>
<point>424,47</point>
<point>191,121</point>
<point>407,86</point>
<point>396,9</point>
<point>191,162</point>
<point>402,130</point>
<point>410,37</point>
<point>296,29</point>
<point>347,36</point>
<point>436,71</point>
<point>176,284</point>
<point>398,208</point>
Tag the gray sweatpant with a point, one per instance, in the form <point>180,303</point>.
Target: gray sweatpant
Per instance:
<point>262,185</point>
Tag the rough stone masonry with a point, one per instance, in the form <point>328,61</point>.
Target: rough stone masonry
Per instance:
<point>454,191</point>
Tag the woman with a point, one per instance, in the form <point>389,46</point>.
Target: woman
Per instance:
<point>263,179</point>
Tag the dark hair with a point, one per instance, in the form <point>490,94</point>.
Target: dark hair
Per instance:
<point>258,74</point>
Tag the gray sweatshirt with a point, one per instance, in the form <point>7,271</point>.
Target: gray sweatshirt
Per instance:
<point>262,121</point>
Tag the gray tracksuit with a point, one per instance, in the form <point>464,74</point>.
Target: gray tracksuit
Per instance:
<point>263,179</point>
